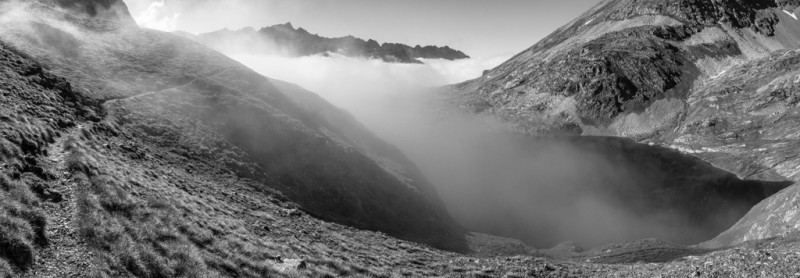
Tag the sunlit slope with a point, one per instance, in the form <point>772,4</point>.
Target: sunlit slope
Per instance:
<point>714,79</point>
<point>624,67</point>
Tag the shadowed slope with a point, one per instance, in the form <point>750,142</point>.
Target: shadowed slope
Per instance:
<point>198,103</point>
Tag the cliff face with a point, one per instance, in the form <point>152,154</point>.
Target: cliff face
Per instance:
<point>284,39</point>
<point>711,78</point>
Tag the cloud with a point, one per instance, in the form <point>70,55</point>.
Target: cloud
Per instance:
<point>357,76</point>
<point>156,17</point>
<point>462,70</point>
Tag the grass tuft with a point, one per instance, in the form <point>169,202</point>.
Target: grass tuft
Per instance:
<point>16,238</point>
<point>5,269</point>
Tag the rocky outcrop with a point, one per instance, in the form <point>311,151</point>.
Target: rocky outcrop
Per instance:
<point>285,39</point>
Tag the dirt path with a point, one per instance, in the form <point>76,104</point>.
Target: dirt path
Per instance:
<point>67,255</point>
<point>110,102</point>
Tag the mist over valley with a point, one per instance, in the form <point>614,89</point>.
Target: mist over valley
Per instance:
<point>175,138</point>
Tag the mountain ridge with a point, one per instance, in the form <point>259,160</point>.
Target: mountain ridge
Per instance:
<point>285,39</point>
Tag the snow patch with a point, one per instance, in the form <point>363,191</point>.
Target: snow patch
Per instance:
<point>791,14</point>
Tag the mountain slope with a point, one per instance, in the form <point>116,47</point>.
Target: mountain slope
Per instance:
<point>284,39</point>
<point>711,78</point>
<point>621,58</point>
<point>167,136</point>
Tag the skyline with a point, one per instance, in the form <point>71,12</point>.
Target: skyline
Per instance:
<point>482,29</point>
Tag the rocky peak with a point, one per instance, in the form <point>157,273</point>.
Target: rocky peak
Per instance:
<point>300,42</point>
<point>286,27</point>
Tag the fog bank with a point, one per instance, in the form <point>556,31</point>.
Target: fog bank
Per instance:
<point>541,191</point>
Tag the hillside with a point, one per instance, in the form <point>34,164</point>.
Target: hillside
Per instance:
<point>156,139</point>
<point>286,40</point>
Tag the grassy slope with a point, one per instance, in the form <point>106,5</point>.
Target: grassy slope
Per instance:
<point>212,108</point>
<point>37,108</point>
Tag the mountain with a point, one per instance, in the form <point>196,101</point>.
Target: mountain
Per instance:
<point>127,152</point>
<point>286,40</point>
<point>712,79</point>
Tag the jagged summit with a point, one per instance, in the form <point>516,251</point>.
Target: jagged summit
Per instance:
<point>285,39</point>
<point>285,25</point>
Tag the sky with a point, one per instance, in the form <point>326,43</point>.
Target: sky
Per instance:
<point>481,28</point>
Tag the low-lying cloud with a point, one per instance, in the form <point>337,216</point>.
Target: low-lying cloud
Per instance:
<point>368,88</point>
<point>491,181</point>
<point>542,191</point>
<point>313,71</point>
